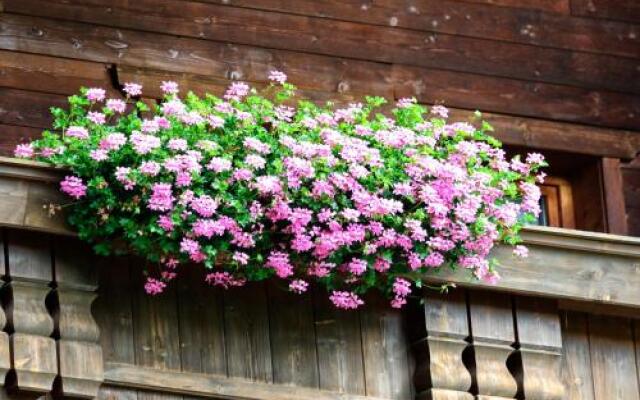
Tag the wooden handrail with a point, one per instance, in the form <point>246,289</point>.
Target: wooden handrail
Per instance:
<point>564,264</point>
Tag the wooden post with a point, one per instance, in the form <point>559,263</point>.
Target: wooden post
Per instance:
<point>33,349</point>
<point>79,352</point>
<point>540,339</point>
<point>614,196</point>
<point>440,371</point>
<point>493,333</point>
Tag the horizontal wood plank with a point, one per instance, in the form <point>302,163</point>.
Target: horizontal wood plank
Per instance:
<point>51,74</point>
<point>482,20</point>
<point>512,96</point>
<point>623,10</point>
<point>554,6</point>
<point>213,386</point>
<point>11,135</point>
<point>27,108</point>
<point>345,39</point>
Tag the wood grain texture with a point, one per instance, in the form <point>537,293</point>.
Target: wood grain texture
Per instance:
<point>540,340</point>
<point>201,322</point>
<point>512,96</point>
<point>576,359</point>
<point>614,196</point>
<point>493,333</point>
<point>156,335</point>
<point>487,21</point>
<point>623,10</point>
<point>613,359</point>
<point>339,347</point>
<point>247,336</point>
<point>386,351</point>
<point>293,339</point>
<point>440,370</point>
<point>12,135</point>
<point>213,386</point>
<point>344,39</point>
<point>28,108</point>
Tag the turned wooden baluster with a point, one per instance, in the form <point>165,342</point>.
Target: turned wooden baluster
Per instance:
<point>33,350</point>
<point>440,372</point>
<point>493,333</point>
<point>79,353</point>
<point>540,339</point>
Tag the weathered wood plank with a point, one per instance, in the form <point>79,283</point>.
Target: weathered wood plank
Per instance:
<point>388,371</point>
<point>212,386</point>
<point>12,135</point>
<point>623,10</point>
<point>344,39</point>
<point>51,74</point>
<point>511,24</point>
<point>495,94</point>
<point>201,321</point>
<point>247,337</point>
<point>293,339</point>
<point>114,316</point>
<point>550,135</point>
<point>555,6</point>
<point>26,108</point>
<point>614,196</point>
<point>339,346</point>
<point>613,359</point>
<point>576,359</point>
<point>155,324</point>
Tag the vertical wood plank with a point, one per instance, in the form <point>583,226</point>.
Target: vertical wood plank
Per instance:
<point>540,339</point>
<point>293,337</point>
<point>5,356</point>
<point>440,372</point>
<point>614,196</point>
<point>339,343</point>
<point>155,327</point>
<point>247,337</point>
<point>493,334</point>
<point>201,314</point>
<point>613,359</point>
<point>386,351</point>
<point>576,359</point>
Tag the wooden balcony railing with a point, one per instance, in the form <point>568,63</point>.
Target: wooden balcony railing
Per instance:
<point>51,336</point>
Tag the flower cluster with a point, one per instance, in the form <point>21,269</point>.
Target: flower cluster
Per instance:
<point>251,187</point>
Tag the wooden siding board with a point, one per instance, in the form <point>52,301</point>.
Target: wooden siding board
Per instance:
<point>11,135</point>
<point>201,323</point>
<point>155,327</point>
<point>613,359</point>
<point>576,368</point>
<point>339,344</point>
<point>345,39</point>
<point>247,337</point>
<point>388,372</point>
<point>473,19</point>
<point>27,108</point>
<point>510,96</point>
<point>623,10</point>
<point>293,337</point>
<point>554,6</point>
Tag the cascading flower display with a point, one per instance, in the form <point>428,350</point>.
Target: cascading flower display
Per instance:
<point>254,186</point>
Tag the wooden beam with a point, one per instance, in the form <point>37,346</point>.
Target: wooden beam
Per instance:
<point>565,264</point>
<point>385,44</point>
<point>623,10</point>
<point>213,386</point>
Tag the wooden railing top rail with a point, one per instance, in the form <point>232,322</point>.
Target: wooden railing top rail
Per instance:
<point>563,263</point>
